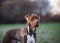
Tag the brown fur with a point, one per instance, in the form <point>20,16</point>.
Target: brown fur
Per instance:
<point>30,18</point>
<point>14,34</point>
<point>20,34</point>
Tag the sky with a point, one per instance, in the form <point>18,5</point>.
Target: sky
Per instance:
<point>55,4</point>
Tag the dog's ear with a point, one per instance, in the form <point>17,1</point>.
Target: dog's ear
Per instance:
<point>36,16</point>
<point>27,17</point>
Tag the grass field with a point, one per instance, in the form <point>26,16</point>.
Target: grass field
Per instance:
<point>46,32</point>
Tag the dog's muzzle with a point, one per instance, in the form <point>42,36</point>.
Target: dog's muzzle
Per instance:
<point>37,25</point>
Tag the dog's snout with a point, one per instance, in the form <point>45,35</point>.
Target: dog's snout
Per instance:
<point>37,22</point>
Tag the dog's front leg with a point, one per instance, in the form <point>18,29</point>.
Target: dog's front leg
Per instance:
<point>14,41</point>
<point>22,40</point>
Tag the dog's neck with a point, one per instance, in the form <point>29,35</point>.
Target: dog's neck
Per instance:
<point>28,28</point>
<point>30,32</point>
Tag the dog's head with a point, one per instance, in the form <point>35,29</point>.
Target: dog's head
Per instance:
<point>32,20</point>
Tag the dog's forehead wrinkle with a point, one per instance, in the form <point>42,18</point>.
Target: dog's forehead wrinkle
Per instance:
<point>34,17</point>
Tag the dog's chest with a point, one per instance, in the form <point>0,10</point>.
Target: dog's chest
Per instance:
<point>30,39</point>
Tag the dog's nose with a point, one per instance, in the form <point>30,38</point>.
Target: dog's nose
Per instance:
<point>37,22</point>
<point>37,25</point>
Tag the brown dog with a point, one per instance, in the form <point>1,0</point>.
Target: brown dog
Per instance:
<point>32,23</point>
<point>23,35</point>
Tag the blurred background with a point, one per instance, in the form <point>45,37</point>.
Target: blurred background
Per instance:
<point>13,11</point>
<point>12,16</point>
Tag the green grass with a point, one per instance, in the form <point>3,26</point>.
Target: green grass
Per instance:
<point>46,32</point>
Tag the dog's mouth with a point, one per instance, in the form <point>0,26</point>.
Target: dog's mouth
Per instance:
<point>37,25</point>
